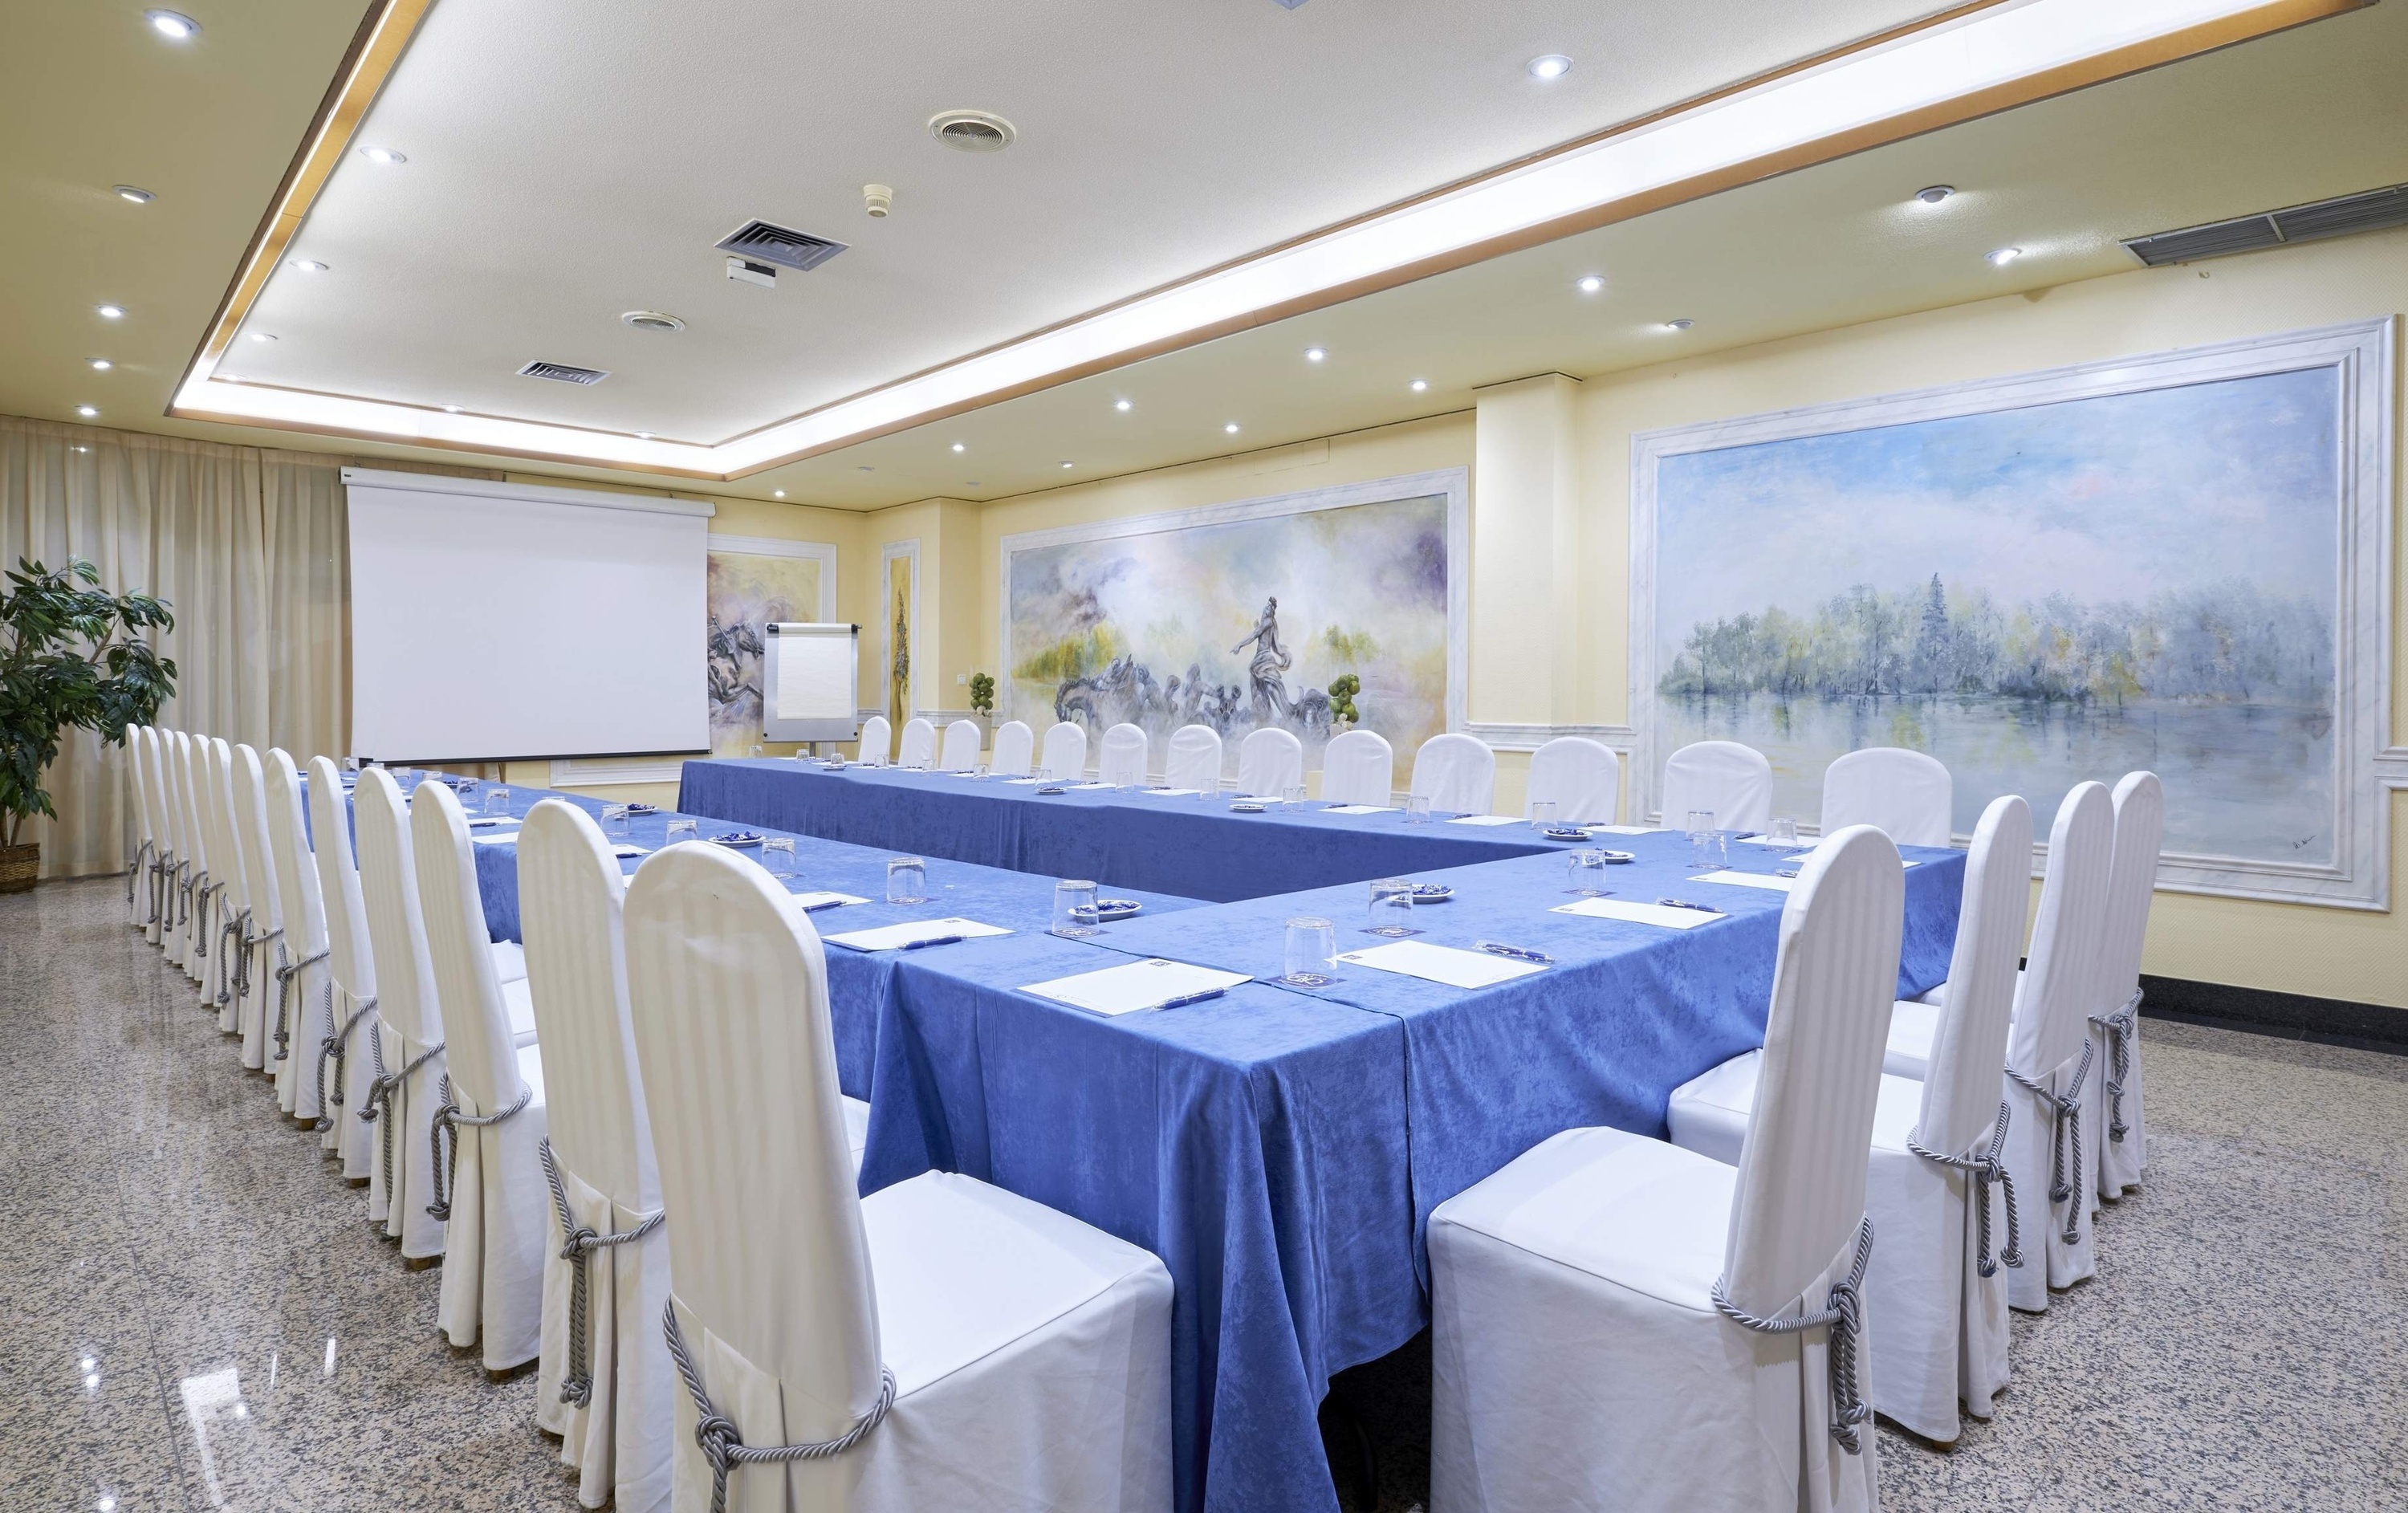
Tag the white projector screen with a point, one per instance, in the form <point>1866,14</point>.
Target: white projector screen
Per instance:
<point>496,621</point>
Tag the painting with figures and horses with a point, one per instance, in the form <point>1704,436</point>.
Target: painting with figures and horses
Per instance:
<point>1315,621</point>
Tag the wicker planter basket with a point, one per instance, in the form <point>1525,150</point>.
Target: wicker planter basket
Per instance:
<point>20,865</point>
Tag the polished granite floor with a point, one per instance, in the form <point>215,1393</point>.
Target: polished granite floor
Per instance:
<point>195,1313</point>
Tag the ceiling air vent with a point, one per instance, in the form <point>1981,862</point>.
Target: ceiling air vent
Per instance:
<point>2371,211</point>
<point>561,373</point>
<point>797,250</point>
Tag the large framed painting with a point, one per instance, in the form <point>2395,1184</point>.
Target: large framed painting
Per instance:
<point>752,581</point>
<point>2178,561</point>
<point>1336,609</point>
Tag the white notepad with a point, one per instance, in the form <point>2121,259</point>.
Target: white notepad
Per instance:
<point>1440,964</point>
<point>1803,843</point>
<point>1358,808</point>
<point>489,837</point>
<point>1090,788</point>
<point>1615,908</point>
<point>1139,985</point>
<point>828,900</point>
<point>1625,830</point>
<point>1486,820</point>
<point>1171,793</point>
<point>896,936</point>
<point>1748,880</point>
<point>1024,782</point>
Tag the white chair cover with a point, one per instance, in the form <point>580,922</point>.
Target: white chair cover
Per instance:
<point>1905,794</point>
<point>1583,1357</point>
<point>233,853</point>
<point>919,747</point>
<point>162,825</point>
<point>1066,752</point>
<point>962,742</point>
<point>410,1026</point>
<point>192,846</point>
<point>617,1432</point>
<point>208,889</point>
<point>1028,1353</point>
<point>1580,778</point>
<point>499,1204</point>
<point>300,986</point>
<point>256,955</point>
<point>343,1081</point>
<point>2049,1049</point>
<point>1194,759</point>
<point>1358,768</point>
<point>875,735</point>
<point>1942,1333</point>
<point>1014,745</point>
<point>1270,763</point>
<point>146,839</point>
<point>1734,781</point>
<point>2116,1104</point>
<point>1124,760</point>
<point>1456,773</point>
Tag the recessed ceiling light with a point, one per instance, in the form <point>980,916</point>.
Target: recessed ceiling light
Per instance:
<point>450,410</point>
<point>2005,256</point>
<point>309,264</point>
<point>86,411</point>
<point>643,436</point>
<point>262,335</point>
<point>1936,193</point>
<point>864,468</point>
<point>1550,66</point>
<point>173,25</point>
<point>102,365</point>
<point>777,493</point>
<point>110,312</point>
<point>1420,384</point>
<point>969,483</point>
<point>1681,322</point>
<point>1590,284</point>
<point>651,321</point>
<point>958,447</point>
<point>83,449</point>
<point>139,197</point>
<point>384,155</point>
<point>1069,464</point>
<point>1231,428</point>
<point>1123,405</point>
<point>1314,355</point>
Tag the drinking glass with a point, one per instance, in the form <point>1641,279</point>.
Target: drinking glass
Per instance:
<point>778,856</point>
<point>906,880</point>
<point>756,752</point>
<point>1543,814</point>
<point>1311,953</point>
<point>682,830</point>
<point>980,772</point>
<point>497,801</point>
<point>1391,907</point>
<point>1587,870</point>
<point>1417,809</point>
<point>1783,832</point>
<point>616,823</point>
<point>1292,797</point>
<point>1074,907</point>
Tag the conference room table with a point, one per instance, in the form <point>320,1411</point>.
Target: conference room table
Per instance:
<point>1183,844</point>
<point>1281,1148</point>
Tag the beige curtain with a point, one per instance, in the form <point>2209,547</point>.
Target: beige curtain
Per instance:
<point>249,548</point>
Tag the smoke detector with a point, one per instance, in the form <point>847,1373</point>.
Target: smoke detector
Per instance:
<point>653,320</point>
<point>972,131</point>
<point>878,199</point>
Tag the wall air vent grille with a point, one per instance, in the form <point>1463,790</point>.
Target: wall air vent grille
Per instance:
<point>797,250</point>
<point>2351,213</point>
<point>563,373</point>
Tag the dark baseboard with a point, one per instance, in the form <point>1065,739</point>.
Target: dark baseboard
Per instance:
<point>2329,1021</point>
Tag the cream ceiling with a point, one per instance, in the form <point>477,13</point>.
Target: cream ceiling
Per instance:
<point>1173,139</point>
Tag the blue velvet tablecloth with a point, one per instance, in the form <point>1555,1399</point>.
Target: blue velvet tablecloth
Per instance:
<point>1280,1149</point>
<point>1188,847</point>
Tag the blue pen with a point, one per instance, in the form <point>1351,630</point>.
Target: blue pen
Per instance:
<point>1190,998</point>
<point>940,941</point>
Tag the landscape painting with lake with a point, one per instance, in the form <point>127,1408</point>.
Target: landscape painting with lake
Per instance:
<point>2034,595</point>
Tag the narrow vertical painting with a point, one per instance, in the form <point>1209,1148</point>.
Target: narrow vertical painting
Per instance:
<point>900,569</point>
<point>748,591</point>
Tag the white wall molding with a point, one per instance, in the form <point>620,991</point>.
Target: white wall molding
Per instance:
<point>1502,736</point>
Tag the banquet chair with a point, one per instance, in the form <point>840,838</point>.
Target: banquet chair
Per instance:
<point>190,766</point>
<point>487,1187</point>
<point>163,817</point>
<point>1194,760</point>
<point>962,741</point>
<point>1456,773</point>
<point>605,1380</point>
<point>1580,778</point>
<point>1358,768</point>
<point>1620,1322</point>
<point>300,998</point>
<point>1935,1284</point>
<point>342,1066</point>
<point>1906,794</point>
<point>1065,752</point>
<point>1123,763</point>
<point>252,965</point>
<point>1270,763</point>
<point>919,747</point>
<point>948,1344</point>
<point>233,883</point>
<point>1731,782</point>
<point>146,838</point>
<point>208,893</point>
<point>2116,1104</point>
<point>1014,744</point>
<point>875,735</point>
<point>191,863</point>
<point>404,1040</point>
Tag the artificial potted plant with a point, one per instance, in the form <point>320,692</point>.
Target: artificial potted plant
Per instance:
<point>982,699</point>
<point>71,656</point>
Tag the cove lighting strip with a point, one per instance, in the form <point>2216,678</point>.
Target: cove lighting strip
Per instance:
<point>1972,63</point>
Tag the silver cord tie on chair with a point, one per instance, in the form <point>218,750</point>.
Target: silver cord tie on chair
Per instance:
<point>577,1382</point>
<point>134,870</point>
<point>1984,1169</point>
<point>286,970</point>
<point>162,863</point>
<point>1843,1310</point>
<point>444,1134</point>
<point>2120,1026</point>
<point>200,885</point>
<point>2067,1111</point>
<point>381,1093</point>
<point>723,1443</point>
<point>234,981</point>
<point>332,1098</point>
